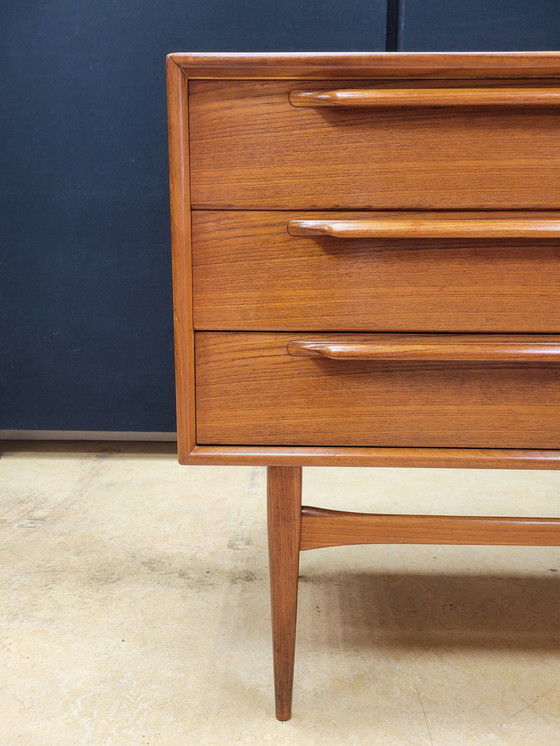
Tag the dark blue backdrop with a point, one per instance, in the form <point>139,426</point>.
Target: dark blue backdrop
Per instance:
<point>85,281</point>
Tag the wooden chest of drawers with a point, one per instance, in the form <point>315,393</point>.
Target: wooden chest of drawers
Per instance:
<point>366,258</point>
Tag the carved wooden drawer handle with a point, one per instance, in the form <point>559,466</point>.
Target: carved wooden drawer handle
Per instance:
<point>479,351</point>
<point>398,227</point>
<point>415,97</point>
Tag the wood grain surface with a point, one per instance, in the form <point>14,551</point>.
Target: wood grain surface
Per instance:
<point>491,288</point>
<point>442,458</point>
<point>433,97</point>
<point>177,109</point>
<point>250,273</point>
<point>316,65</point>
<point>331,528</point>
<point>425,225</point>
<point>477,348</point>
<point>284,520</point>
<point>251,391</point>
<point>250,148</point>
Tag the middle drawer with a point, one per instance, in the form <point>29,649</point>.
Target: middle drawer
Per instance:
<point>376,271</point>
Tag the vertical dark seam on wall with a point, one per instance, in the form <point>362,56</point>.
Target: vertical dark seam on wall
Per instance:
<point>400,27</point>
<point>394,37</point>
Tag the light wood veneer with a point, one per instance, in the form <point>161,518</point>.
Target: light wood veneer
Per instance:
<point>250,148</point>
<point>250,272</point>
<point>251,390</point>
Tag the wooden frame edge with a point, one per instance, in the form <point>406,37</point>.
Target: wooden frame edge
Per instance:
<point>328,65</point>
<point>179,197</point>
<point>450,458</point>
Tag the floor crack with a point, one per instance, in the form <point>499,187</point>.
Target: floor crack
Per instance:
<point>424,713</point>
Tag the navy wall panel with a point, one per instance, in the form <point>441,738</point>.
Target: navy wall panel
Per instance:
<point>86,329</point>
<point>480,25</point>
<point>85,294</point>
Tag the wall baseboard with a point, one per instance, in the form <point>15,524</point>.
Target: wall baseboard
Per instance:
<point>85,435</point>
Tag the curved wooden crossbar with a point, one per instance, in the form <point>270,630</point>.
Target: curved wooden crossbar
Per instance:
<point>331,528</point>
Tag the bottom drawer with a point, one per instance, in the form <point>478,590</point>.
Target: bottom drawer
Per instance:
<point>456,391</point>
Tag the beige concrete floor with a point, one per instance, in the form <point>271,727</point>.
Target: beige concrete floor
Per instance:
<point>135,609</point>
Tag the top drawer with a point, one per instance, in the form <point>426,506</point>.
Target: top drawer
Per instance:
<point>251,148</point>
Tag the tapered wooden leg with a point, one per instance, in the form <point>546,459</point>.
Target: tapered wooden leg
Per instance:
<point>284,525</point>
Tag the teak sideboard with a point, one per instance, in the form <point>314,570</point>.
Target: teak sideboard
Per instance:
<point>366,264</point>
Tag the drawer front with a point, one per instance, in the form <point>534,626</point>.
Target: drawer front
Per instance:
<point>251,148</point>
<point>441,391</point>
<point>249,273</point>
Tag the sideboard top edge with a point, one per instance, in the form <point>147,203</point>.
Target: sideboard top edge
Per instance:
<point>426,65</point>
